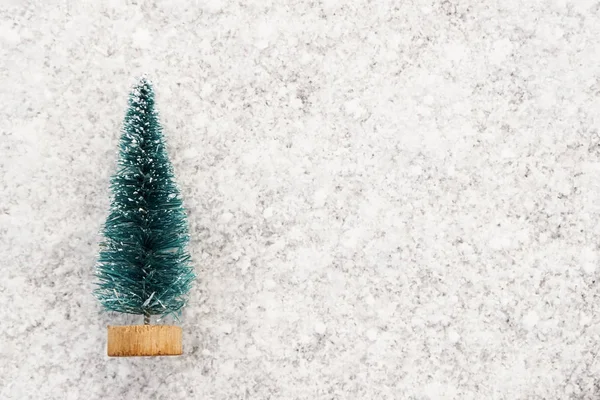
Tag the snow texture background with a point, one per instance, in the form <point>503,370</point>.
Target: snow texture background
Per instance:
<point>387,199</point>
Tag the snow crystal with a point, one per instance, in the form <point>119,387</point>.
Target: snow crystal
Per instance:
<point>453,336</point>
<point>320,328</point>
<point>268,212</point>
<point>372,334</point>
<point>227,328</point>
<point>530,320</point>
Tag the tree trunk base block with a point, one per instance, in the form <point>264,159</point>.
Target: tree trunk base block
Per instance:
<point>144,340</point>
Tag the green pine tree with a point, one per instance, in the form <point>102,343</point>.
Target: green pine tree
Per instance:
<point>143,267</point>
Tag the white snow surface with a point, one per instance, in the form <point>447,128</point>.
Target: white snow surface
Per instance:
<point>387,199</point>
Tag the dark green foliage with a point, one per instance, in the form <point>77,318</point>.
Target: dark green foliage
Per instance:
<point>143,266</point>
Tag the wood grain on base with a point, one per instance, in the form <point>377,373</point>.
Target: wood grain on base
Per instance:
<point>144,340</point>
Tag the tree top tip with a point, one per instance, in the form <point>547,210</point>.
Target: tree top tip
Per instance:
<point>144,81</point>
<point>142,88</point>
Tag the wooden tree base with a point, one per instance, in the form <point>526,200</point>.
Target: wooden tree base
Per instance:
<point>144,340</point>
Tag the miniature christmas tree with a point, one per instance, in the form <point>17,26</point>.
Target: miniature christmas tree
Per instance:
<point>143,267</point>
